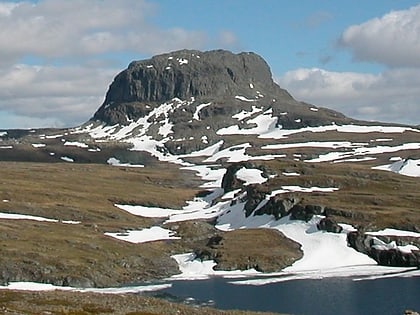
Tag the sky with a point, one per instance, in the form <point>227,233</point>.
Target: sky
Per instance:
<point>58,57</point>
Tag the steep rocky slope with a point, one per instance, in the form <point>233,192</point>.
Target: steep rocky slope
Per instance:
<point>209,89</point>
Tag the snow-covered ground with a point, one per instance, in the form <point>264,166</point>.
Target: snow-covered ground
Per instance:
<point>16,216</point>
<point>406,167</point>
<point>34,286</point>
<point>325,254</point>
<point>154,233</point>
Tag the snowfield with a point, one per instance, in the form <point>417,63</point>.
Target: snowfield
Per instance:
<point>324,254</point>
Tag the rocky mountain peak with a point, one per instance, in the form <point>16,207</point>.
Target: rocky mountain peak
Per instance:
<point>190,73</point>
<point>176,96</point>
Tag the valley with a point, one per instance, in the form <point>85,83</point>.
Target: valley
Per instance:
<point>222,175</point>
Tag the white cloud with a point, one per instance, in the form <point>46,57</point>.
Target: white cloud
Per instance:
<point>391,96</point>
<point>393,39</point>
<point>66,95</point>
<point>73,42</point>
<point>60,28</point>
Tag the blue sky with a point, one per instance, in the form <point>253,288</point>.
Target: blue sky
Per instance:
<point>58,57</point>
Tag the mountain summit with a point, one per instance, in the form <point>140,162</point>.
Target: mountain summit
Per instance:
<point>231,82</point>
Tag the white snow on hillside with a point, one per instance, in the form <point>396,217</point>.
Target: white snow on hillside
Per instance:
<point>76,144</point>
<point>362,151</point>
<point>192,269</point>
<point>250,176</point>
<point>237,153</point>
<point>196,114</point>
<point>265,123</point>
<point>246,114</point>
<point>394,232</point>
<point>325,254</point>
<point>407,167</point>
<point>17,216</point>
<point>313,144</point>
<point>34,286</point>
<point>67,159</point>
<point>244,99</point>
<point>39,145</point>
<point>115,162</point>
<point>279,133</point>
<point>154,233</point>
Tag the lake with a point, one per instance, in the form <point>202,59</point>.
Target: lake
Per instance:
<point>329,296</point>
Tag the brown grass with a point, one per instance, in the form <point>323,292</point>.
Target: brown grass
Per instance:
<point>52,252</point>
<point>66,303</point>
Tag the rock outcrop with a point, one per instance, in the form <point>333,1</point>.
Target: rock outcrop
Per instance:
<point>264,250</point>
<point>386,250</point>
<point>329,225</point>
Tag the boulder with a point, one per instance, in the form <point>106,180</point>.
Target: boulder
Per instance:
<point>329,225</point>
<point>305,212</point>
<point>278,206</point>
<point>255,194</point>
<point>385,254</point>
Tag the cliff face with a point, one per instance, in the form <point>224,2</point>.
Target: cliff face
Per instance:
<point>214,76</point>
<point>189,100</point>
<point>186,74</point>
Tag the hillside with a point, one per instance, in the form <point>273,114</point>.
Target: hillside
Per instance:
<point>200,158</point>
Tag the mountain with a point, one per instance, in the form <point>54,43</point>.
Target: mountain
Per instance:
<point>194,154</point>
<point>210,90</point>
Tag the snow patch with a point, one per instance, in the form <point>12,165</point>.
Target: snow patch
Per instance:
<point>250,176</point>
<point>244,99</point>
<point>39,145</point>
<point>76,144</point>
<point>196,114</point>
<point>154,233</point>
<point>115,162</point>
<point>246,114</point>
<point>67,159</point>
<point>406,167</point>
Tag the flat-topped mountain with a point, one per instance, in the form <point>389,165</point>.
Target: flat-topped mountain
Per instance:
<point>176,96</point>
<point>232,82</point>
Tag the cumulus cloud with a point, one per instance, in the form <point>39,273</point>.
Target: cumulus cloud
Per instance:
<point>60,28</point>
<point>389,96</point>
<point>393,39</point>
<point>68,94</point>
<point>392,95</point>
<point>72,42</point>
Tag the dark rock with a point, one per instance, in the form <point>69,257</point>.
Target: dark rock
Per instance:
<point>255,195</point>
<point>230,181</point>
<point>358,241</point>
<point>305,212</point>
<point>278,206</point>
<point>395,258</point>
<point>367,244</point>
<point>200,77</point>
<point>329,225</point>
<point>167,76</point>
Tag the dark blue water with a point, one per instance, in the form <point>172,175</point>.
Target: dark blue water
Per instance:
<point>330,296</point>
